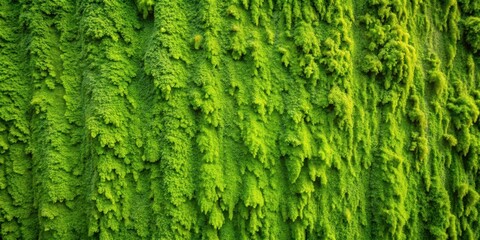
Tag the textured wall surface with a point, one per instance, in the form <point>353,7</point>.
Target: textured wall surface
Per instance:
<point>239,119</point>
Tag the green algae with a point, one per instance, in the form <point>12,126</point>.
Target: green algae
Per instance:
<point>239,119</point>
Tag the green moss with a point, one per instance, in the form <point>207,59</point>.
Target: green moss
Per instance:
<point>251,119</point>
<point>472,31</point>
<point>145,7</point>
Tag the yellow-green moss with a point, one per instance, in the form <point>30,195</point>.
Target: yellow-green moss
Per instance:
<point>239,119</point>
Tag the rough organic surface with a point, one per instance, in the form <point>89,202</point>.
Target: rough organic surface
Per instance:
<point>239,119</point>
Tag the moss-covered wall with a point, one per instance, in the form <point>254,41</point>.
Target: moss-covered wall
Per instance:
<point>239,119</point>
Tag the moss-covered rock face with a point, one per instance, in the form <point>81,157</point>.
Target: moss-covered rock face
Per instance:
<point>239,119</point>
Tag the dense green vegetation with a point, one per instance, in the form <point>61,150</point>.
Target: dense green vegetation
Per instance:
<point>239,119</point>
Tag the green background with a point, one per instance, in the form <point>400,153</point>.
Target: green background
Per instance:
<point>239,119</point>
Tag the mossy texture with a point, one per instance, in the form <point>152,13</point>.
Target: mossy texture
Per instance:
<point>239,119</point>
